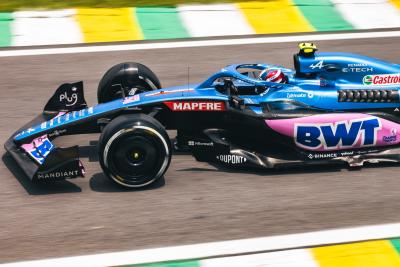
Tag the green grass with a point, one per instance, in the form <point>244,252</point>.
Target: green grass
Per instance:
<point>13,5</point>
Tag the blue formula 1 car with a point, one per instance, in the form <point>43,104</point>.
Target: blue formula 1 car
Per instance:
<point>332,107</point>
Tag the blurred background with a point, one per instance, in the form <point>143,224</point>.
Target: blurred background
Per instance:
<point>46,22</point>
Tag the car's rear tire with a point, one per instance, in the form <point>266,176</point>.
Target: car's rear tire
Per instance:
<point>128,77</point>
<point>134,150</point>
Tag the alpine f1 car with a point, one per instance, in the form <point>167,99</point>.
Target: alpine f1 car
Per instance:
<point>333,107</point>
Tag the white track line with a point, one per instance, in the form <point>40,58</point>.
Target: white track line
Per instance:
<point>202,43</point>
<point>214,20</point>
<point>217,249</point>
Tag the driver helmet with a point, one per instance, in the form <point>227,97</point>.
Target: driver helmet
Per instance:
<point>272,75</point>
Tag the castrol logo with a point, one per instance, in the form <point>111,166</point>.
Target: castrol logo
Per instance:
<point>382,79</point>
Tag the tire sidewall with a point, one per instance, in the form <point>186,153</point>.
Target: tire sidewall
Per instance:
<point>125,125</point>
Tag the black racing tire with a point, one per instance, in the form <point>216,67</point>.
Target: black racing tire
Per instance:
<point>134,150</point>
<point>131,77</point>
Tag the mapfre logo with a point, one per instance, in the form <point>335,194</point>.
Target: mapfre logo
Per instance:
<point>195,105</point>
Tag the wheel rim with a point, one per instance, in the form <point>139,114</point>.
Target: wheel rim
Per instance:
<point>124,156</point>
<point>136,157</point>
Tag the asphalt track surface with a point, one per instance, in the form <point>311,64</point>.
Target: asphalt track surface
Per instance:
<point>199,202</point>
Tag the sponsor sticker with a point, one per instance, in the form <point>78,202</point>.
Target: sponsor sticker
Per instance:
<point>330,155</point>
<point>54,175</point>
<point>354,65</point>
<point>63,117</point>
<point>196,143</point>
<point>358,69</point>
<point>131,99</point>
<point>338,135</point>
<point>296,95</point>
<point>231,159</point>
<point>300,95</point>
<point>71,100</point>
<point>322,156</point>
<point>39,148</point>
<point>170,92</point>
<point>195,105</point>
<point>390,138</point>
<point>382,79</point>
<point>347,153</point>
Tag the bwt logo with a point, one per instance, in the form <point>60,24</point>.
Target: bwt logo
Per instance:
<point>333,136</point>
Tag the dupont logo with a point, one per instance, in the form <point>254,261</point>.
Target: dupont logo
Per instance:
<point>195,105</point>
<point>382,79</point>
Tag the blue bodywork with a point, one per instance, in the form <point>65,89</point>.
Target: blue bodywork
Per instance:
<point>323,75</point>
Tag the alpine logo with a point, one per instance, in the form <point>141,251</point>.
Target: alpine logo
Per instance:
<point>382,79</point>
<point>318,65</point>
<point>195,105</point>
<point>339,135</point>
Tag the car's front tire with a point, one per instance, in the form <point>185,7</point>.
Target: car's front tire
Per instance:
<point>128,78</point>
<point>134,150</point>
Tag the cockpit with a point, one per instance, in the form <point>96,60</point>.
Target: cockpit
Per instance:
<point>244,79</point>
